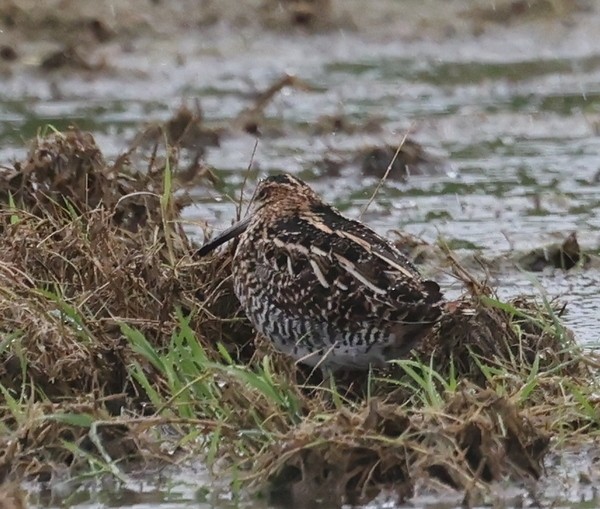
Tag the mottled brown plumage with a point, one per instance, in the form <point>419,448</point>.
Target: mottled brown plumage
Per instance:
<point>326,289</point>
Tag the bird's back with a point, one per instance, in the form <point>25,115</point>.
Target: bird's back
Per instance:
<point>329,290</point>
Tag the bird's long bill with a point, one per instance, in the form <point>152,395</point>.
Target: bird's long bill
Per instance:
<point>228,234</point>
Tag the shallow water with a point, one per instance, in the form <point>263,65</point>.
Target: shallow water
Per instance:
<point>513,113</point>
<point>570,483</point>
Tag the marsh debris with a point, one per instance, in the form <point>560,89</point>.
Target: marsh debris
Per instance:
<point>412,159</point>
<point>305,14</point>
<point>185,129</point>
<point>496,334</point>
<point>101,31</point>
<point>67,171</point>
<point>417,249</point>
<point>476,437</point>
<point>86,249</point>
<point>96,236</point>
<point>69,57</point>
<point>565,256</point>
<point>251,119</point>
<point>374,160</point>
<point>510,11</point>
<point>8,53</point>
<point>340,123</point>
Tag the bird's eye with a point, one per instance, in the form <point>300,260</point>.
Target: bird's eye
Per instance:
<point>261,194</point>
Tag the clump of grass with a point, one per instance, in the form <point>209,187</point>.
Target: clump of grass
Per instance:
<point>112,331</point>
<point>88,248</point>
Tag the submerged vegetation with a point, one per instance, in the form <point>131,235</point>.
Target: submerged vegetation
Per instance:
<point>119,346</point>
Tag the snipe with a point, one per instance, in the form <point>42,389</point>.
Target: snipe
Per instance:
<point>326,290</point>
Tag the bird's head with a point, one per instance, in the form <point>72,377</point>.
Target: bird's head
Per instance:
<point>273,195</point>
<point>284,190</point>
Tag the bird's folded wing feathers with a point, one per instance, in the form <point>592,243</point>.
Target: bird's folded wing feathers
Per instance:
<point>338,264</point>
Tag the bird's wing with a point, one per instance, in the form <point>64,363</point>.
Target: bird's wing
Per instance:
<point>332,266</point>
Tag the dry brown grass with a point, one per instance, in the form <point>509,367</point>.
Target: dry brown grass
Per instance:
<point>90,243</point>
<point>86,247</point>
<point>476,437</point>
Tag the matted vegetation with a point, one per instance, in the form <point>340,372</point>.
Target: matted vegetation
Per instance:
<point>119,346</point>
